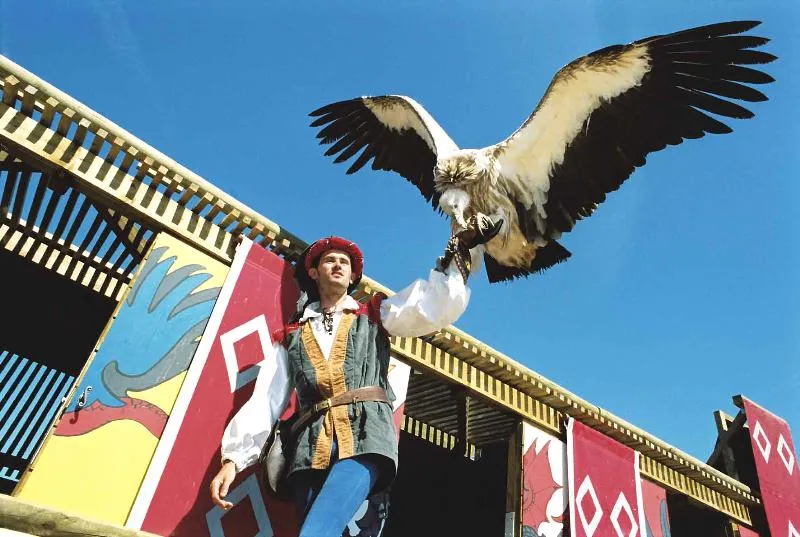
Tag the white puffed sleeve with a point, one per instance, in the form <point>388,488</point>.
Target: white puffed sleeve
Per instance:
<point>249,428</point>
<point>426,306</point>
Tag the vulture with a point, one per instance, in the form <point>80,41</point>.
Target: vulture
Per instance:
<point>599,118</point>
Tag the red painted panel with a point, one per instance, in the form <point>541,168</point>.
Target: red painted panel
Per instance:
<point>605,490</point>
<point>654,503</point>
<point>777,468</point>
<point>746,532</point>
<point>264,295</point>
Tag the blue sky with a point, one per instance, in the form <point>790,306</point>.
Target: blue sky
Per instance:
<point>683,287</point>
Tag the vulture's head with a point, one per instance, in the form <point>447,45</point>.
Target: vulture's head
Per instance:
<point>461,170</point>
<point>454,202</point>
<point>456,178</point>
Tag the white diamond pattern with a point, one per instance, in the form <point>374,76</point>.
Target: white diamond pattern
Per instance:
<point>248,488</point>
<point>761,440</point>
<point>586,488</point>
<point>792,530</point>
<point>785,454</point>
<point>257,325</point>
<point>623,505</point>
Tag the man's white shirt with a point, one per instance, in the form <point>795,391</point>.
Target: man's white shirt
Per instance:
<point>423,307</point>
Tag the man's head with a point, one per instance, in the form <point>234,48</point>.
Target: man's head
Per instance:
<point>333,271</point>
<point>334,264</point>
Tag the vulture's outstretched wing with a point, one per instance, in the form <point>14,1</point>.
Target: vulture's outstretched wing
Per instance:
<point>395,131</point>
<point>603,113</point>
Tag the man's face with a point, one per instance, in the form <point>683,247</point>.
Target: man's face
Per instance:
<point>333,271</point>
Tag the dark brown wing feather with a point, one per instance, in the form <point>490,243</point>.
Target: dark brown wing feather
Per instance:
<point>692,74</point>
<point>395,132</point>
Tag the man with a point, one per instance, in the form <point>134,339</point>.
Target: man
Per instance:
<point>337,354</point>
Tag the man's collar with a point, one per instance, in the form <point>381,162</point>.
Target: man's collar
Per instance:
<point>314,310</point>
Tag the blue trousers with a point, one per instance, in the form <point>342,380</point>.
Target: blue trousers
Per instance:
<point>327,500</point>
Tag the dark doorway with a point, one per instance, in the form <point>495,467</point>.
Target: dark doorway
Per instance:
<point>438,492</point>
<point>48,328</point>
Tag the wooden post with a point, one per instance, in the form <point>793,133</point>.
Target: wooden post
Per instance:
<point>726,428</point>
<point>462,438</point>
<point>514,484</point>
<point>31,519</point>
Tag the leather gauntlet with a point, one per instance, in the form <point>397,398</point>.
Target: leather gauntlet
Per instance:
<point>480,230</point>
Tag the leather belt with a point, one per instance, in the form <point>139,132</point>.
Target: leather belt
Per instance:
<point>367,393</point>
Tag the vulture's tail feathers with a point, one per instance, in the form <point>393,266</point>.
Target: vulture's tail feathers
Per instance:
<point>551,254</point>
<point>547,256</point>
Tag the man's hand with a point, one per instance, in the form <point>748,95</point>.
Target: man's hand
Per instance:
<point>480,230</point>
<point>221,482</point>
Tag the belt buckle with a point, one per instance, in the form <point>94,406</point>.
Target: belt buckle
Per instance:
<point>322,405</point>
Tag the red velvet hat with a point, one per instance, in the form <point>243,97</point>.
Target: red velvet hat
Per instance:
<point>336,243</point>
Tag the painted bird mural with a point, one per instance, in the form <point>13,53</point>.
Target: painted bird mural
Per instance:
<point>601,115</point>
<point>153,339</point>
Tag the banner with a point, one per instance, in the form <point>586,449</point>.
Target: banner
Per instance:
<point>604,485</point>
<point>777,469</point>
<point>654,504</point>
<point>258,297</point>
<point>544,480</point>
<point>746,532</point>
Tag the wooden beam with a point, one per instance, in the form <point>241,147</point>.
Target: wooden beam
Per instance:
<point>35,246</point>
<point>462,411</point>
<point>31,519</point>
<point>514,483</point>
<point>726,428</point>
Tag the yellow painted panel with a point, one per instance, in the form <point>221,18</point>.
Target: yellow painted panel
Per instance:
<point>96,490</point>
<point>162,395</point>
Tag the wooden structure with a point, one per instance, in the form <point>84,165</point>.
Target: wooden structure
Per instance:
<point>84,199</point>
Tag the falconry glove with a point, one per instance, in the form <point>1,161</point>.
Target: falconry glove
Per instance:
<point>480,230</point>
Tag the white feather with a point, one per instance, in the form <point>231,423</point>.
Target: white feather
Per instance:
<point>529,155</point>
<point>405,113</point>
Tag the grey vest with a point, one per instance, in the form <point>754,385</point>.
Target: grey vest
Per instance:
<point>359,357</point>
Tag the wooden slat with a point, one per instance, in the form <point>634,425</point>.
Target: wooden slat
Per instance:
<point>434,435</point>
<point>35,247</point>
<point>49,112</point>
<point>72,231</point>
<point>676,482</point>
<point>36,203</point>
<point>49,210</point>
<point>12,176</point>
<point>95,251</point>
<point>10,89</point>
<point>63,221</point>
